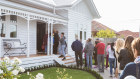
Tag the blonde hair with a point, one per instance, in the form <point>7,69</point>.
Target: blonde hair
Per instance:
<point>136,45</point>
<point>119,44</point>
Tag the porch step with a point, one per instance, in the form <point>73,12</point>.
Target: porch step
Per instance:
<point>70,62</point>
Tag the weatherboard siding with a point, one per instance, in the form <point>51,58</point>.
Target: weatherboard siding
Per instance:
<point>79,20</point>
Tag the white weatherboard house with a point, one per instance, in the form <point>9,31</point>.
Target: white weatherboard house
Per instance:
<point>29,20</point>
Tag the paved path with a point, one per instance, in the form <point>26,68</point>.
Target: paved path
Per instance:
<point>106,73</point>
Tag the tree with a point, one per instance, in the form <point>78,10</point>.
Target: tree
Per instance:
<point>105,34</point>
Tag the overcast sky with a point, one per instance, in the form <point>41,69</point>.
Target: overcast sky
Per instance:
<point>119,14</point>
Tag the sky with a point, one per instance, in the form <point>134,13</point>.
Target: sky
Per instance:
<point>119,14</point>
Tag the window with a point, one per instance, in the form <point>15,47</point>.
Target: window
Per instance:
<point>2,30</point>
<point>13,31</point>
<point>13,18</point>
<point>85,35</point>
<point>2,18</point>
<point>80,35</point>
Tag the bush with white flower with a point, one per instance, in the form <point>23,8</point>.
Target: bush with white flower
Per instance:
<point>11,69</point>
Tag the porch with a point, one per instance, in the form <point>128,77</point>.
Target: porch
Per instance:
<point>25,27</point>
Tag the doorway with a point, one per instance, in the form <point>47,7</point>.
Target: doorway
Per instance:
<point>41,27</point>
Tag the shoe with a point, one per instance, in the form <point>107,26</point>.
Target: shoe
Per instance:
<point>110,76</point>
<point>61,56</point>
<point>64,59</point>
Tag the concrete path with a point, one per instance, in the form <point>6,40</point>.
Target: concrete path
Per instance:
<point>106,73</point>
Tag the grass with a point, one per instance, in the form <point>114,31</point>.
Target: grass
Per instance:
<point>50,73</point>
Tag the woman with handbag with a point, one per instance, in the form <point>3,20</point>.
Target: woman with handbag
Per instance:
<point>133,68</point>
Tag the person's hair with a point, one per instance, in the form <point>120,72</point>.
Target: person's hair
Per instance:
<point>119,44</point>
<point>136,45</point>
<point>56,31</point>
<point>62,33</point>
<point>108,43</point>
<point>96,42</point>
<point>127,45</point>
<point>112,47</point>
<point>89,39</point>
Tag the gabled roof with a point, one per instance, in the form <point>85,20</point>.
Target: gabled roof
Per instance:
<point>126,33</point>
<point>96,26</point>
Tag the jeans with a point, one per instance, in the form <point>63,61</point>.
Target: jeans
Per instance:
<point>89,61</point>
<point>62,50</point>
<point>79,59</point>
<point>100,59</point>
<point>112,64</point>
<point>45,49</point>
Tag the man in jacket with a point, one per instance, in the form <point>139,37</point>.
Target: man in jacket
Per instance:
<point>78,47</point>
<point>62,46</point>
<point>56,42</point>
<point>100,54</point>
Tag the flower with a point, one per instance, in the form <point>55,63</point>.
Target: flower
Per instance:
<point>17,61</point>
<point>6,59</point>
<point>39,76</point>
<point>15,72</point>
<point>1,71</point>
<point>21,69</point>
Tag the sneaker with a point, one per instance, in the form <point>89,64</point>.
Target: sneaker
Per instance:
<point>64,59</point>
<point>61,56</point>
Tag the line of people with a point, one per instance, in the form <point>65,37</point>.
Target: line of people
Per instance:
<point>123,56</point>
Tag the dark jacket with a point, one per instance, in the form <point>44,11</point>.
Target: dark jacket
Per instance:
<point>77,46</point>
<point>124,58</point>
<point>130,69</point>
<point>56,38</point>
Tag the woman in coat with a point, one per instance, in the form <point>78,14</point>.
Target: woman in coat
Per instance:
<point>133,68</point>
<point>118,47</point>
<point>126,54</point>
<point>89,48</point>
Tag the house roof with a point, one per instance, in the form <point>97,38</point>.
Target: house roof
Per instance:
<point>96,26</point>
<point>126,33</point>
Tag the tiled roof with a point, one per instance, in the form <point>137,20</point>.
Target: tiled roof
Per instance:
<point>126,33</point>
<point>96,26</point>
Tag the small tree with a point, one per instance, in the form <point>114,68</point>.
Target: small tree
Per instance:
<point>105,34</point>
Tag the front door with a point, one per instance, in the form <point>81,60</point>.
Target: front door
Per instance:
<point>40,34</point>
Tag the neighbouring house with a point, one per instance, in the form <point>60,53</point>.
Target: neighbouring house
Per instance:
<point>97,26</point>
<point>126,33</point>
<point>29,20</point>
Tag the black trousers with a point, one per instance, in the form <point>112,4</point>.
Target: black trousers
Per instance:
<point>55,48</point>
<point>79,59</point>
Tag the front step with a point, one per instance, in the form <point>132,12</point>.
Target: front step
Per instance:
<point>67,62</point>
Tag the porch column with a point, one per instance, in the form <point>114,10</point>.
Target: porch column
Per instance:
<point>28,37</point>
<point>51,37</point>
<point>0,36</point>
<point>48,46</point>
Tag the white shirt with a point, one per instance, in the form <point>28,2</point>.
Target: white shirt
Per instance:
<point>111,53</point>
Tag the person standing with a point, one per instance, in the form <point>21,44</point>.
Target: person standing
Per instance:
<point>118,47</point>
<point>45,42</point>
<point>133,68</point>
<point>112,58</point>
<point>77,47</point>
<point>62,46</point>
<point>126,54</point>
<point>100,54</point>
<point>56,42</point>
<point>89,48</point>
<point>95,53</point>
<point>107,56</point>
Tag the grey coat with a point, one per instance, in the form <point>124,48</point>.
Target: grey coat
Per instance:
<point>62,41</point>
<point>89,48</point>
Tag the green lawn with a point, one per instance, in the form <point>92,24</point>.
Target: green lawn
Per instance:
<point>50,73</point>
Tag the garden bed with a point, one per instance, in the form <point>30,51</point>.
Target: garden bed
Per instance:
<point>50,73</point>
